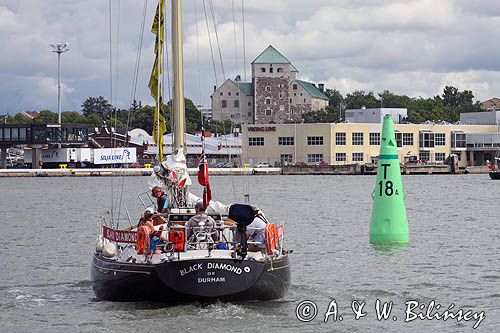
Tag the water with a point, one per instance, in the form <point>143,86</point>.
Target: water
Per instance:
<point>49,229</point>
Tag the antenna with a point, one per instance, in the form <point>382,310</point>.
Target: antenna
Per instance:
<point>59,48</point>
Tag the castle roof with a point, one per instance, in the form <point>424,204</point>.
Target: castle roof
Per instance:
<point>312,90</point>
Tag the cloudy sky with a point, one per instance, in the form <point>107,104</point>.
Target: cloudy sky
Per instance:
<point>408,47</point>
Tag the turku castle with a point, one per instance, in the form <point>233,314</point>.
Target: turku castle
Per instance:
<point>275,95</point>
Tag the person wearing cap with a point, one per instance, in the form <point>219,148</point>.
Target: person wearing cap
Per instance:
<point>161,199</point>
<point>200,216</point>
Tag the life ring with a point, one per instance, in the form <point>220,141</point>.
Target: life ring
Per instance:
<point>143,240</point>
<point>271,237</point>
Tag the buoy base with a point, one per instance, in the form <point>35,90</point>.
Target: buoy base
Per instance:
<point>389,238</point>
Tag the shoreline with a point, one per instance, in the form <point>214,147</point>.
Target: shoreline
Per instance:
<point>119,172</point>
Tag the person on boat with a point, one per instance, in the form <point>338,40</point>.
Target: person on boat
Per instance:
<point>250,222</point>
<point>161,199</point>
<point>200,216</point>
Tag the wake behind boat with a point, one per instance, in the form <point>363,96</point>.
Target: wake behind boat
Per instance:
<point>182,254</point>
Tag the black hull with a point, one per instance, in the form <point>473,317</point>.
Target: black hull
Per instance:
<point>200,280</point>
<point>495,175</point>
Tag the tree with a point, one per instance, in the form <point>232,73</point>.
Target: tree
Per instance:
<point>359,99</point>
<point>73,117</point>
<point>98,106</point>
<point>390,100</point>
<point>19,118</point>
<point>335,98</point>
<point>45,117</point>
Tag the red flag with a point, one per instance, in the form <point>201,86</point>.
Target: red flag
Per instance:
<point>203,180</point>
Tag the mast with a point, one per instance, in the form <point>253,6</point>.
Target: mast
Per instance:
<point>179,118</point>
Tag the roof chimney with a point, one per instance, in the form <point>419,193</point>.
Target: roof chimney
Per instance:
<point>215,88</point>
<point>237,78</point>
<point>321,87</point>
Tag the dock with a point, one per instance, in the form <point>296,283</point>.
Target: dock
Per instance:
<point>119,172</point>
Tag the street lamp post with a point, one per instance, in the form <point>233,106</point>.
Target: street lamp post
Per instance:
<point>59,48</point>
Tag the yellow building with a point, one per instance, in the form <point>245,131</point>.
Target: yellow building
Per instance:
<point>348,143</point>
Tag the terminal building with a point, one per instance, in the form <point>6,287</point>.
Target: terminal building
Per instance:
<point>351,143</point>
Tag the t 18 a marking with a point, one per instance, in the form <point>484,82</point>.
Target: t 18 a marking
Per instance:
<point>388,188</point>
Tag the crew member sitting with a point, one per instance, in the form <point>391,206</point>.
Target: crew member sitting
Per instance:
<point>201,216</point>
<point>161,199</point>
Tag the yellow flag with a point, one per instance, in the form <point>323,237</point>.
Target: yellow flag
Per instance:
<point>159,121</point>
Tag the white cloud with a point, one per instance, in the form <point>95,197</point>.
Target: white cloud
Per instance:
<point>413,47</point>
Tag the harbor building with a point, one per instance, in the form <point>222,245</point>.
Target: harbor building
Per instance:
<point>375,115</point>
<point>359,143</point>
<point>275,95</point>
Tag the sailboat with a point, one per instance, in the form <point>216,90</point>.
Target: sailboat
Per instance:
<point>217,262</point>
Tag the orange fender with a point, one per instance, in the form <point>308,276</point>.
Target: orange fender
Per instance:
<point>271,238</point>
<point>143,240</point>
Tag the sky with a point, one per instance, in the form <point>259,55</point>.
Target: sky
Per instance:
<point>414,48</point>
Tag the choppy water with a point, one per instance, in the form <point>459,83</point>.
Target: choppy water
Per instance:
<point>49,228</point>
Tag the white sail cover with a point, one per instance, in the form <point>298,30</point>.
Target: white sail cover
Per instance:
<point>173,171</point>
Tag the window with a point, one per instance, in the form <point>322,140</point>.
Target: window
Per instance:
<point>399,139</point>
<point>315,140</point>
<point>249,103</point>
<point>314,158</point>
<point>270,70</point>
<point>268,112</point>
<point>237,93</point>
<point>340,139</point>
<point>286,140</point>
<point>301,94</point>
<point>268,101</point>
<point>304,100</point>
<point>294,87</point>
<point>262,69</point>
<point>357,139</point>
<point>340,157</point>
<point>426,140</point>
<point>257,141</point>
<point>22,134</point>
<point>286,158</point>
<point>250,113</point>
<point>221,93</point>
<point>457,140</point>
<point>357,157</point>
<point>439,157</point>
<point>424,156</point>
<point>268,88</point>
<point>236,104</point>
<point>229,93</point>
<point>280,70</point>
<point>290,100</point>
<point>407,139</point>
<point>440,139</point>
<point>374,139</point>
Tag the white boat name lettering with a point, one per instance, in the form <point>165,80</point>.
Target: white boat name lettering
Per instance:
<point>211,279</point>
<point>190,269</point>
<point>223,266</point>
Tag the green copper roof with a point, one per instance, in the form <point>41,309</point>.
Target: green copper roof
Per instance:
<point>271,56</point>
<point>312,90</point>
<point>246,87</point>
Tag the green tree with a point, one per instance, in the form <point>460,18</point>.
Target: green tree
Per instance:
<point>390,100</point>
<point>18,118</point>
<point>359,99</point>
<point>45,117</point>
<point>335,98</point>
<point>98,106</point>
<point>73,117</point>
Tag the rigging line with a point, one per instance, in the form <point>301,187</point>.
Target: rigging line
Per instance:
<point>116,94</point>
<point>111,98</point>
<point>246,176</point>
<point>214,21</point>
<point>132,97</point>
<point>210,42</point>
<point>198,57</point>
<point>239,85</point>
<point>244,41</point>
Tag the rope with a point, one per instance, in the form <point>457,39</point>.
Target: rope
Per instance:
<point>111,98</point>
<point>214,21</point>
<point>210,42</point>
<point>132,94</point>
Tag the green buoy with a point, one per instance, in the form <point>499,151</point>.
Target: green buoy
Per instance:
<point>389,223</point>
